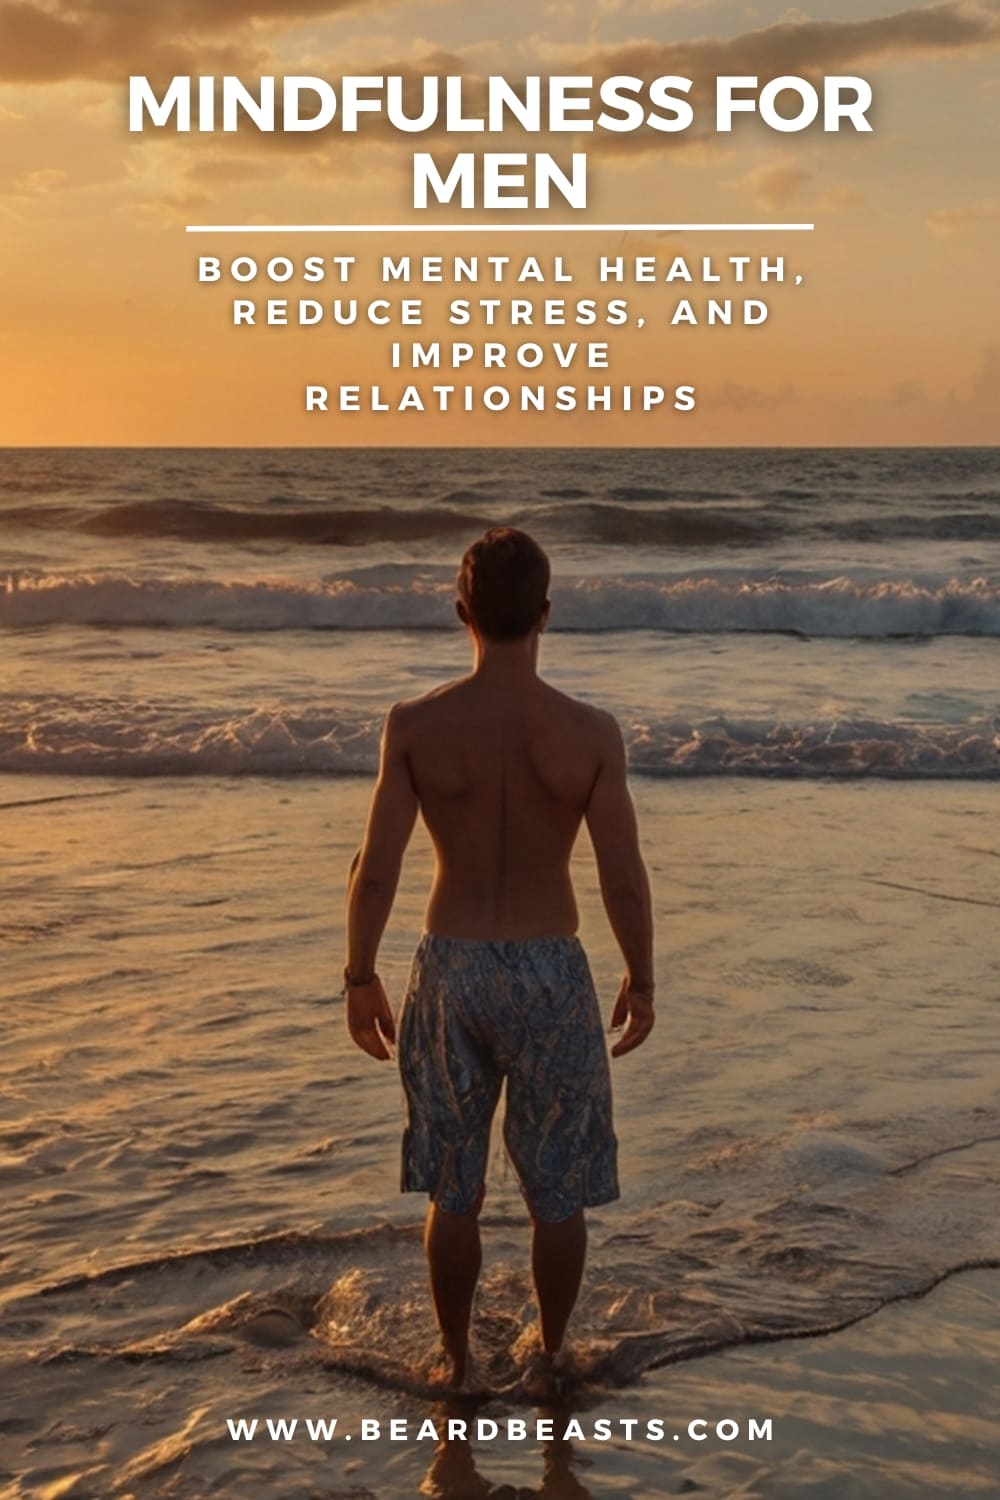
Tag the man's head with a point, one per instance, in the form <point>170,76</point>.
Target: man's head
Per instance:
<point>503,586</point>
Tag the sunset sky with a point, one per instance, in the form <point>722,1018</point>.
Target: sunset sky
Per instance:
<point>893,337</point>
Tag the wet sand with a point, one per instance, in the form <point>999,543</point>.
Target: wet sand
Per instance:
<point>810,1143</point>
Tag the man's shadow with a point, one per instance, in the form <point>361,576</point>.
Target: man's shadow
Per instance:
<point>452,1473</point>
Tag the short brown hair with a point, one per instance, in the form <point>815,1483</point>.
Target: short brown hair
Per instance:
<point>504,583</point>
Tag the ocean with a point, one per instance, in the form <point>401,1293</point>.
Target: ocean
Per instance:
<point>199,1172</point>
<point>778,612</point>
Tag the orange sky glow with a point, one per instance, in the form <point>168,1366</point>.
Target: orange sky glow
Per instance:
<point>893,335</point>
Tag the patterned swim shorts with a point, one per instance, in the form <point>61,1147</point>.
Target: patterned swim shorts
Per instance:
<point>477,1013</point>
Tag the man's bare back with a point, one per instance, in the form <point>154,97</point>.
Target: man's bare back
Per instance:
<point>503,770</point>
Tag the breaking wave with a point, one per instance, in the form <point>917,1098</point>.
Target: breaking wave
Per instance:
<point>285,519</point>
<point>96,736</point>
<point>619,515</point>
<point>839,607</point>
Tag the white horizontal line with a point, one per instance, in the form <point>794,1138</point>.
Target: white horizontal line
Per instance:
<point>472,228</point>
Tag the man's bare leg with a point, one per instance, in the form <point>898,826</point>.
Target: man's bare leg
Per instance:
<point>454,1257</point>
<point>557,1255</point>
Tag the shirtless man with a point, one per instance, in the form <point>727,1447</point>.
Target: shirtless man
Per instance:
<point>504,769</point>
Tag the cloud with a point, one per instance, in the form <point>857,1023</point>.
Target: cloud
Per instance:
<point>795,45</point>
<point>174,208</point>
<point>102,40</point>
<point>840,196</point>
<point>968,216</point>
<point>778,186</point>
<point>216,171</point>
<point>977,395</point>
<point>803,48</point>
<point>751,398</point>
<point>51,40</point>
<point>99,41</point>
<point>623,8</point>
<point>984,392</point>
<point>775,187</point>
<point>814,47</point>
<point>36,184</point>
<point>107,39</point>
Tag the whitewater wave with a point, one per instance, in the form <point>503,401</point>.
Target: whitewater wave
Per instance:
<point>839,607</point>
<point>118,737</point>
<point>371,1320</point>
<point>840,1221</point>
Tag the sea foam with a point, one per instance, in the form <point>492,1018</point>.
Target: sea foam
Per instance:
<point>838,607</point>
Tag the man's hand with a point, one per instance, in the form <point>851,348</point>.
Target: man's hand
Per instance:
<point>369,1019</point>
<point>635,1007</point>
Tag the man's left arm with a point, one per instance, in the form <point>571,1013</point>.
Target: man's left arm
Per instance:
<point>372,889</point>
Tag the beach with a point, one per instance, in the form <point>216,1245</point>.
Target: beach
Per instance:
<point>200,1172</point>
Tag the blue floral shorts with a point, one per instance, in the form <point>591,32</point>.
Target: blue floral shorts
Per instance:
<point>477,1013</point>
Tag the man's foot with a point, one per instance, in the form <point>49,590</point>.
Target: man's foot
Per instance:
<point>547,1377</point>
<point>462,1377</point>
<point>444,1370</point>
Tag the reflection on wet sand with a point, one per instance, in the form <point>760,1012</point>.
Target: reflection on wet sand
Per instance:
<point>453,1475</point>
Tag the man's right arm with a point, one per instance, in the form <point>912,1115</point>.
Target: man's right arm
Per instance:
<point>624,886</point>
